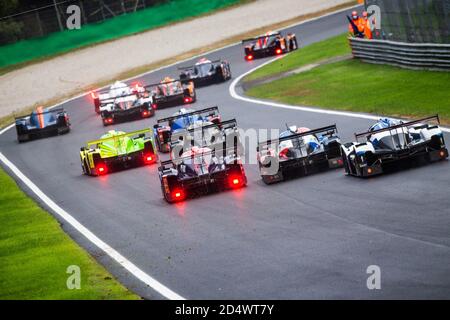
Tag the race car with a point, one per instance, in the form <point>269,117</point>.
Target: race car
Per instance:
<point>299,151</point>
<point>171,93</point>
<point>181,120</point>
<point>199,171</point>
<point>117,150</point>
<point>391,142</point>
<point>270,44</point>
<point>116,90</point>
<point>206,72</point>
<point>127,107</point>
<point>41,123</point>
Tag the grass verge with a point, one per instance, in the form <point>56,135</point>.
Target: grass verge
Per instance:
<point>39,49</point>
<point>35,253</point>
<point>356,86</point>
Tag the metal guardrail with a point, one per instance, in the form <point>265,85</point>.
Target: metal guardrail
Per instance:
<point>430,56</point>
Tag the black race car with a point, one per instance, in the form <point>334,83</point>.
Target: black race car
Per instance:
<point>42,123</point>
<point>127,107</point>
<point>270,44</point>
<point>199,171</point>
<point>182,120</point>
<point>391,143</point>
<point>299,151</point>
<point>171,93</point>
<point>206,72</point>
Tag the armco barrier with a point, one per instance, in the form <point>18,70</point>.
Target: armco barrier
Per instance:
<point>430,56</point>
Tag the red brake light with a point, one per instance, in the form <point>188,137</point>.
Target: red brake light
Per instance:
<point>278,51</point>
<point>154,106</point>
<point>108,120</point>
<point>148,158</point>
<point>102,169</point>
<point>144,113</point>
<point>178,195</point>
<point>236,182</point>
<point>187,100</point>
<point>249,57</point>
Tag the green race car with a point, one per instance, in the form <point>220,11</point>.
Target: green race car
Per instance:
<point>117,150</point>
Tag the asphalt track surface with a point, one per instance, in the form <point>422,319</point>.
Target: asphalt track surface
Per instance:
<point>308,238</point>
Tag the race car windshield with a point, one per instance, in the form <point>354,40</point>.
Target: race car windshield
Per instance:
<point>203,69</point>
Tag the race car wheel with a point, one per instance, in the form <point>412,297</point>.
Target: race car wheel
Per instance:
<point>23,138</point>
<point>346,166</point>
<point>64,130</point>
<point>84,167</point>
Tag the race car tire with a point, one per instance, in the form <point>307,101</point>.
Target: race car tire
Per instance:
<point>84,167</point>
<point>63,130</point>
<point>346,166</point>
<point>268,180</point>
<point>23,138</point>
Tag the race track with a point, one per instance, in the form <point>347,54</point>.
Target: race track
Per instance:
<point>307,238</point>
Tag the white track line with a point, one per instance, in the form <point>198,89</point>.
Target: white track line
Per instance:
<point>111,252</point>
<point>124,262</point>
<point>235,95</point>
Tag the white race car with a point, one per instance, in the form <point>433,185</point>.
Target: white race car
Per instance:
<point>116,90</point>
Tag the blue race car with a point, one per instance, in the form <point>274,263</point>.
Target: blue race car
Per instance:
<point>42,123</point>
<point>182,120</point>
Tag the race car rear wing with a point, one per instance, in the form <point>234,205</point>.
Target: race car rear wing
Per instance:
<point>218,152</point>
<point>261,37</point>
<point>434,118</point>
<point>152,85</point>
<point>113,99</point>
<point>328,130</point>
<point>211,111</point>
<point>222,125</point>
<point>192,67</point>
<point>55,110</point>
<point>137,133</point>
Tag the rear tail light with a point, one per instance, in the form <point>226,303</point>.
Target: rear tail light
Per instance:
<point>102,169</point>
<point>249,57</point>
<point>178,195</point>
<point>369,171</point>
<point>145,113</point>
<point>149,158</point>
<point>278,51</point>
<point>236,181</point>
<point>442,154</point>
<point>108,120</point>
<point>154,106</point>
<point>187,100</point>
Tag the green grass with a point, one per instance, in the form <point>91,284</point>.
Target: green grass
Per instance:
<point>127,24</point>
<point>35,253</point>
<point>333,47</point>
<point>356,86</point>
